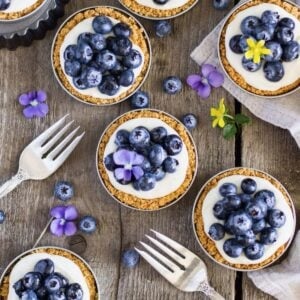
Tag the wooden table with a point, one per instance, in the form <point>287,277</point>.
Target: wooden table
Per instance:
<point>260,145</point>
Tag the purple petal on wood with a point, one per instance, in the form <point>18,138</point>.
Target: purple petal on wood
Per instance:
<point>216,79</point>
<point>206,69</point>
<point>56,228</point>
<point>70,228</point>
<point>24,99</point>
<point>204,90</point>
<point>137,172</point>
<point>29,112</point>
<point>32,95</point>
<point>193,81</point>
<point>71,213</point>
<point>58,212</point>
<point>41,110</point>
<point>41,96</point>
<point>122,157</point>
<point>137,159</point>
<point>119,173</point>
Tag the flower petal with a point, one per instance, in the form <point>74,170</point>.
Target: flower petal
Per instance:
<point>214,112</point>
<point>215,122</point>
<point>204,90</point>
<point>221,122</point>
<point>256,58</point>
<point>58,212</point>
<point>122,157</point>
<point>215,78</point>
<point>261,43</point>
<point>56,228</point>
<point>41,96</point>
<point>193,81</point>
<point>71,213</point>
<point>127,175</point>
<point>206,69</point>
<point>251,42</point>
<point>119,173</point>
<point>138,159</point>
<point>24,99</point>
<point>70,228</point>
<point>137,172</point>
<point>29,112</point>
<point>41,110</point>
<point>222,108</point>
<point>249,54</point>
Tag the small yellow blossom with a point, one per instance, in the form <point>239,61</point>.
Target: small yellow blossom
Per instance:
<point>256,50</point>
<point>218,114</point>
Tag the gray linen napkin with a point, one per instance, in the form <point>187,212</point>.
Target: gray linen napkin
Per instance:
<point>281,281</point>
<point>283,112</point>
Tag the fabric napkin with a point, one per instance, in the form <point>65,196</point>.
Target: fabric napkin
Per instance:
<point>281,281</point>
<point>283,112</point>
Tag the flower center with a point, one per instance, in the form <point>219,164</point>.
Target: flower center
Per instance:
<point>204,80</point>
<point>128,166</point>
<point>34,103</point>
<point>62,222</point>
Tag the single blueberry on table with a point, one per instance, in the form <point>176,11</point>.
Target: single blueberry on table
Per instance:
<point>255,251</point>
<point>259,226</point>
<point>232,248</point>
<point>172,85</point>
<point>286,22</point>
<point>276,50</point>
<point>2,216</point>
<point>147,182</point>
<point>32,280</point>
<point>130,258</point>
<point>70,52</point>
<point>98,42</point>
<point>88,224</point>
<point>268,236</point>
<point>270,17</point>
<point>190,121</point>
<point>109,85</point>
<point>216,231</point>
<point>291,51</point>
<point>139,100</point>
<point>139,136</point>
<point>284,35</point>
<point>221,4</point>
<point>133,59</point>
<point>126,78</point>
<point>257,209</point>
<point>234,44</point>
<point>72,67</point>
<point>74,292</point>
<point>267,196</point>
<point>91,76</point>
<point>158,134</point>
<point>246,239</point>
<point>173,144</point>
<point>274,71</point>
<point>219,210</point>
<point>170,164</point>
<point>250,65</point>
<point>157,155</point>
<point>227,189</point>
<point>122,137</point>
<point>28,295</point>
<point>102,24</point>
<point>122,29</point>
<point>4,4</point>
<point>106,60</point>
<point>276,218</point>
<point>121,46</point>
<point>249,24</point>
<point>162,28</point>
<point>63,190</point>
<point>44,266</point>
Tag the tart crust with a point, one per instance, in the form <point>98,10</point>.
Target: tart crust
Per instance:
<point>138,37</point>
<point>89,277</point>
<point>235,76</point>
<point>208,244</point>
<point>21,13</point>
<point>146,11</point>
<point>136,202</point>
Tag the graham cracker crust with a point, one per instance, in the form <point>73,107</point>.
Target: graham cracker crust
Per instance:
<point>138,37</point>
<point>235,76</point>
<point>208,244</point>
<point>136,202</point>
<point>21,13</point>
<point>89,277</point>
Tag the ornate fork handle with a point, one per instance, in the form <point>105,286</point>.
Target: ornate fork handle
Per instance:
<point>205,288</point>
<point>12,183</point>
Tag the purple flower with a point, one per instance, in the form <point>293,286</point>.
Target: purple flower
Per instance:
<point>63,223</point>
<point>203,82</point>
<point>34,103</point>
<point>131,161</point>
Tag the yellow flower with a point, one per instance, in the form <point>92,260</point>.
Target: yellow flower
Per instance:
<point>256,50</point>
<point>218,114</point>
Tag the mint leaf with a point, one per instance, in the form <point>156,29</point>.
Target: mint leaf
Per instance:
<point>229,131</point>
<point>242,119</point>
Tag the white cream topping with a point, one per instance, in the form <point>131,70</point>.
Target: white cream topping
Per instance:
<point>18,5</point>
<point>71,38</point>
<point>169,5</point>
<point>257,79</point>
<point>62,265</point>
<point>171,182</point>
<point>284,233</point>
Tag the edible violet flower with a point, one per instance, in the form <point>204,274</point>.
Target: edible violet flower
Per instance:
<point>64,220</point>
<point>34,103</point>
<point>131,161</point>
<point>203,82</point>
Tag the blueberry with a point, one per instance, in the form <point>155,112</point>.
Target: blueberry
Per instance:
<point>19,287</point>
<point>233,202</point>
<point>290,51</point>
<point>64,280</point>
<point>117,69</point>
<point>173,144</point>
<point>106,60</point>
<point>276,218</point>
<point>268,236</point>
<point>284,35</point>
<point>258,226</point>
<point>88,224</point>
<point>264,32</point>
<point>190,121</point>
<point>42,293</point>
<point>122,29</point>
<point>84,53</point>
<point>102,24</point>
<point>139,136</point>
<point>135,185</point>
<point>32,280</point>
<point>4,4</point>
<point>63,190</point>
<point>146,166</point>
<point>126,78</point>
<point>227,189</point>
<point>70,52</point>
<point>122,137</point>
<point>91,76</point>
<point>221,4</point>
<point>53,283</point>
<point>246,239</point>
<point>232,248</point>
<point>216,231</point>
<point>241,222</point>
<point>59,295</point>
<point>276,50</point>
<point>243,44</point>
<point>249,24</point>
<point>228,225</point>
<point>170,164</point>
<point>267,196</point>
<point>133,59</point>
<point>245,198</point>
<point>158,134</point>
<point>157,155</point>
<point>219,210</point>
<point>74,292</point>
<point>270,17</point>
<point>130,258</point>
<point>121,46</point>
<point>234,44</point>
<point>161,2</point>
<point>172,85</point>
<point>250,65</point>
<point>98,42</point>
<point>44,266</point>
<point>162,28</point>
<point>255,251</point>
<point>274,71</point>
<point>79,83</point>
<point>28,295</point>
<point>84,37</point>
<point>158,173</point>
<point>72,67</point>
<point>142,149</point>
<point>257,209</point>
<point>109,85</point>
<point>147,182</point>
<point>2,216</point>
<point>139,100</point>
<point>248,186</point>
<point>287,22</point>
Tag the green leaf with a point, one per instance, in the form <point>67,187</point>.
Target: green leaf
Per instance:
<point>229,131</point>
<point>242,119</point>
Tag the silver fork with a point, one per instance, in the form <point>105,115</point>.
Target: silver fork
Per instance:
<point>42,157</point>
<point>190,277</point>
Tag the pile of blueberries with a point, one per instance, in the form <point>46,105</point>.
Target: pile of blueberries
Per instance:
<point>104,59</point>
<point>279,36</point>
<point>45,283</point>
<point>251,218</point>
<point>158,149</point>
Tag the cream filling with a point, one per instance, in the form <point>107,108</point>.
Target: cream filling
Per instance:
<point>284,233</point>
<point>19,5</point>
<point>62,265</point>
<point>171,4</point>
<point>257,79</point>
<point>71,38</point>
<point>171,182</point>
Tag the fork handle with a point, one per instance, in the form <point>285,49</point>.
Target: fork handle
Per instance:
<point>209,291</point>
<point>214,295</point>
